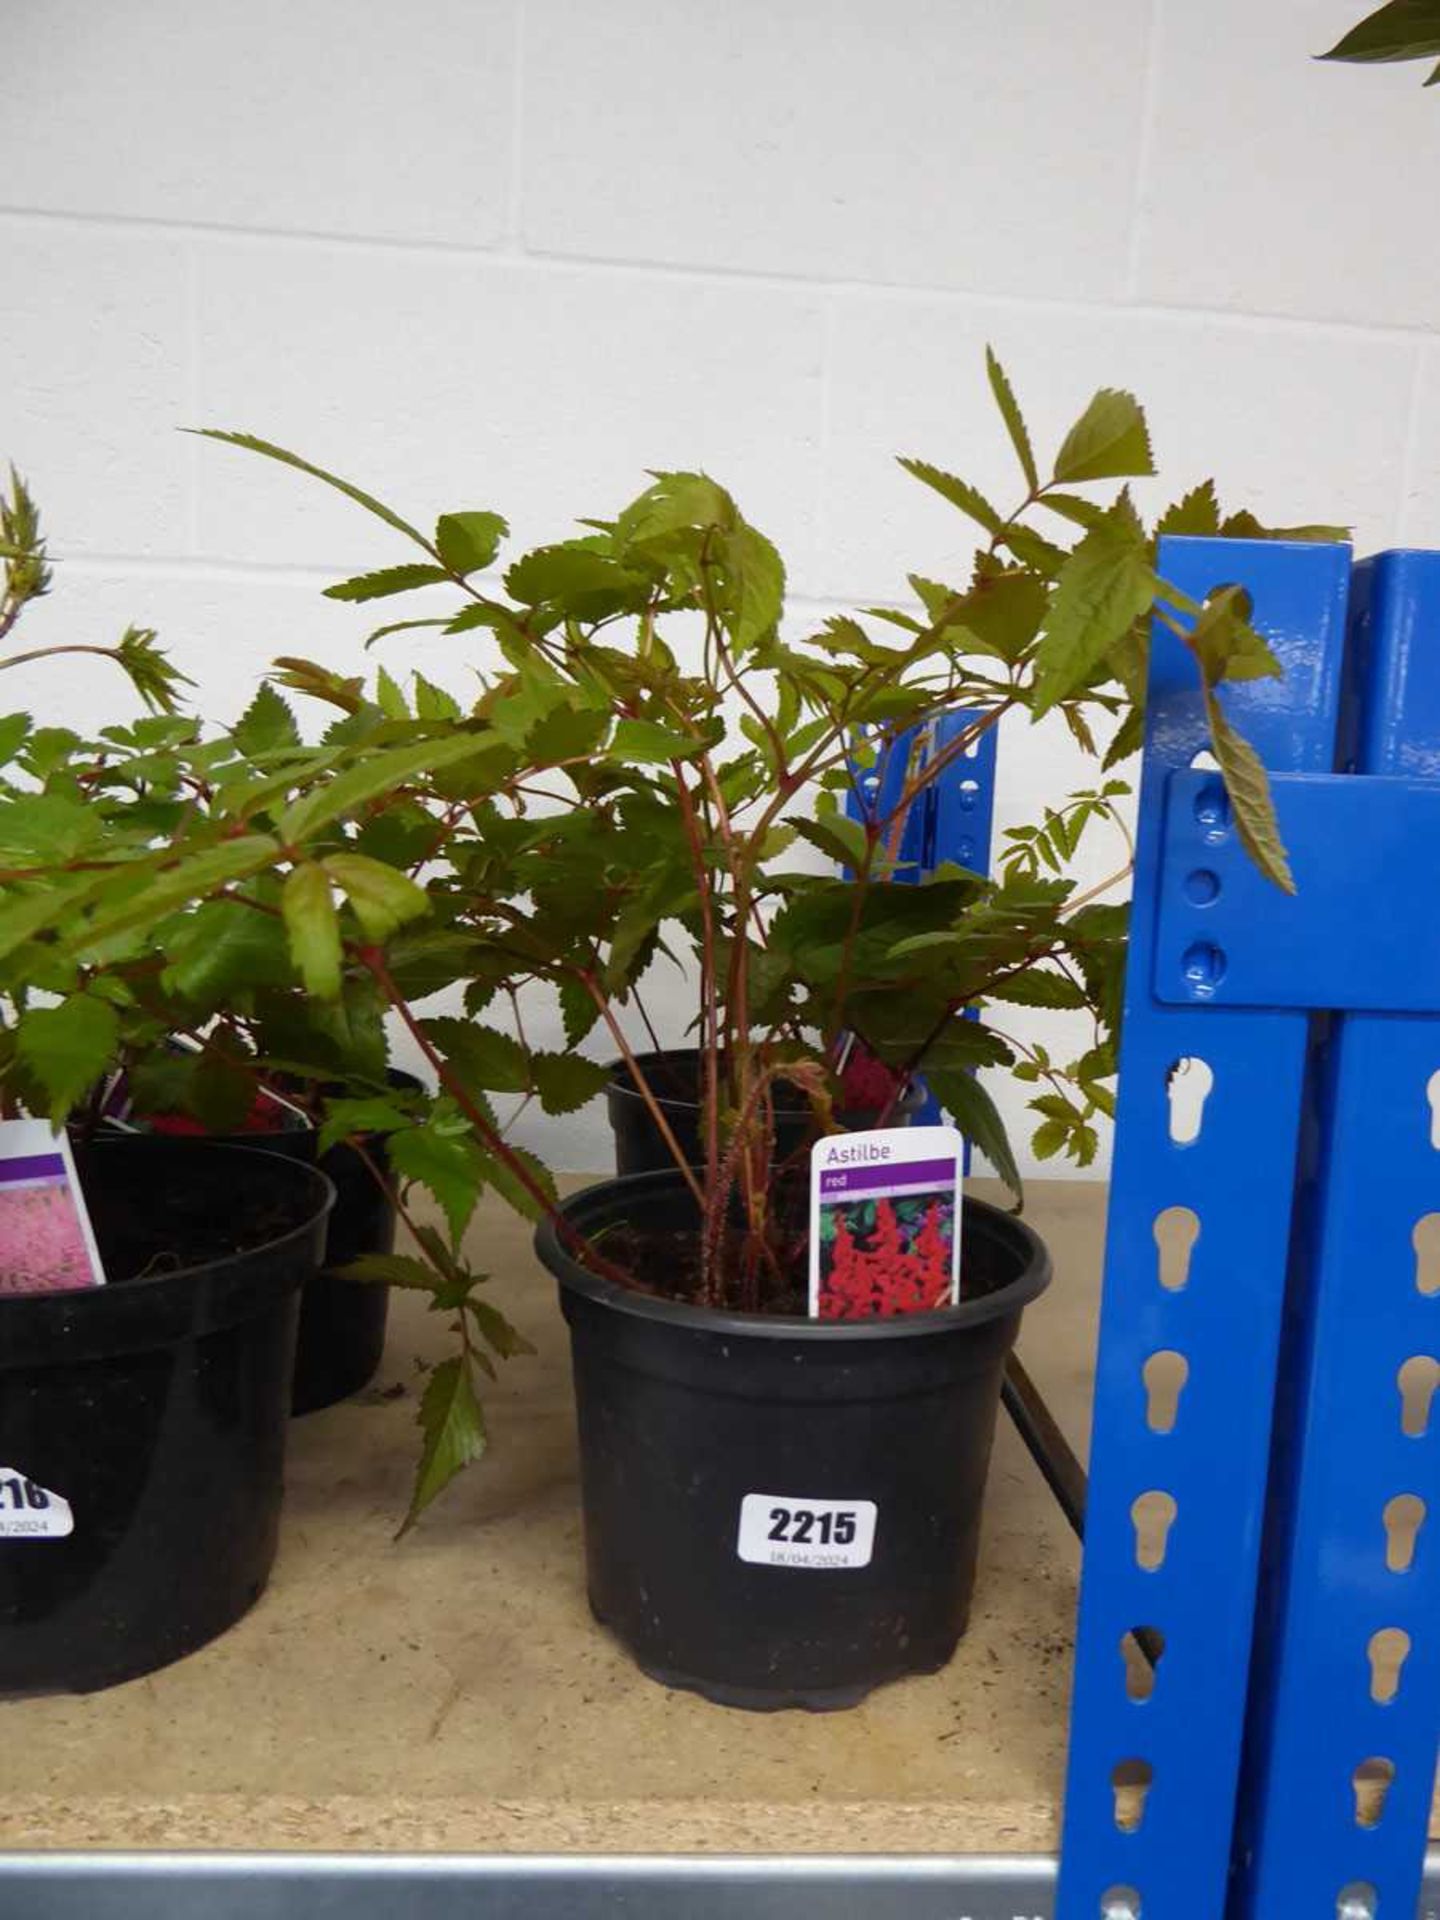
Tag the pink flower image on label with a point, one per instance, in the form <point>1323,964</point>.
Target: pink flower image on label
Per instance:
<point>42,1247</point>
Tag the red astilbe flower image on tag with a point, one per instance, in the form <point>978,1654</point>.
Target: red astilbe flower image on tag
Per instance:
<point>883,1257</point>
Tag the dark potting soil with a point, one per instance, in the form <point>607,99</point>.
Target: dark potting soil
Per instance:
<point>130,1253</point>
<point>665,1262</point>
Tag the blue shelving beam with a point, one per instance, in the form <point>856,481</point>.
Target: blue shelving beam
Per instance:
<point>1195,1270</point>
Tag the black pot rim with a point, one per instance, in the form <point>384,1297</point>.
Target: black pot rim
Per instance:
<point>1034,1277</point>
<point>321,1184</point>
<point>621,1086</point>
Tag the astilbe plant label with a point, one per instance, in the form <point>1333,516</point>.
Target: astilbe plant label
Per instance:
<point>885,1223</point>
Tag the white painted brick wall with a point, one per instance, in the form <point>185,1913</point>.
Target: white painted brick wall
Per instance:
<point>511,253</point>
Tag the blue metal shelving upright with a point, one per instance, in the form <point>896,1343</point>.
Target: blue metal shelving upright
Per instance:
<point>1269,1531</point>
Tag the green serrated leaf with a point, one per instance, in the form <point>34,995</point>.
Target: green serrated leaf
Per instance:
<point>513,1190</point>
<point>1033,550</point>
<point>313,927</point>
<point>1037,987</point>
<point>266,724</point>
<point>575,578</point>
<point>381,897</point>
<point>390,1270</point>
<point>1197,513</point>
<point>189,880</point>
<point>1074,508</point>
<point>1248,786</point>
<point>67,1048</point>
<point>1245,526</point>
<point>753,593</point>
<point>1224,642</point>
<point>224,949</point>
<point>467,542</point>
<point>252,444</point>
<point>1014,420</point>
<point>482,1056</point>
<point>1050,1137</point>
<point>578,1011</point>
<point>978,1118</point>
<point>837,836</point>
<point>645,743</point>
<point>445,1159</point>
<point>46,828</point>
<point>378,773</point>
<point>957,491</point>
<point>386,581</point>
<point>1104,586</point>
<point>351,1119</point>
<point>14,729</point>
<point>390,697</point>
<point>453,1426</point>
<point>566,1081</point>
<point>496,1330</point>
<point>1109,441</point>
<point>434,703</point>
<point>1400,30</point>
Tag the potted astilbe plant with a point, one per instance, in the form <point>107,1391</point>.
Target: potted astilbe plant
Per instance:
<point>142,1407</point>
<point>668,746</point>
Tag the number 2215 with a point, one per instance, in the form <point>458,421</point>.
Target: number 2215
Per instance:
<point>800,1527</point>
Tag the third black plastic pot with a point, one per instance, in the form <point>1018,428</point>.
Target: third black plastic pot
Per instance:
<point>784,1512</point>
<point>143,1422</point>
<point>674,1078</point>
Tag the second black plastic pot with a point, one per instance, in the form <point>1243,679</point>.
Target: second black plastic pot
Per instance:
<point>144,1421</point>
<point>342,1322</point>
<point>707,1437</point>
<point>674,1079</point>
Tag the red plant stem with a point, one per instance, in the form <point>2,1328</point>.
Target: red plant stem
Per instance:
<point>710,1032</point>
<point>374,963</point>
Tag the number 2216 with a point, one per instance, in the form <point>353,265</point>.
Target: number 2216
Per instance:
<point>24,1493</point>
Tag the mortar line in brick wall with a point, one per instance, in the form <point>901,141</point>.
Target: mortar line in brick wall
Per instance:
<point>1149,108</point>
<point>190,566</point>
<point>541,260</point>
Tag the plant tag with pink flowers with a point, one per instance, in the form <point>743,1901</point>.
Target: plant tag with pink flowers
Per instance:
<point>46,1243</point>
<point>885,1222</point>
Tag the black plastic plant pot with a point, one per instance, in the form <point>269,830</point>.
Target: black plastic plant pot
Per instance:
<point>342,1322</point>
<point>143,1422</point>
<point>674,1079</point>
<point>784,1512</point>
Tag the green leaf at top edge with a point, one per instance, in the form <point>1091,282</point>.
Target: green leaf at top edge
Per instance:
<point>1109,441</point>
<point>253,444</point>
<point>1400,30</point>
<point>1014,420</point>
